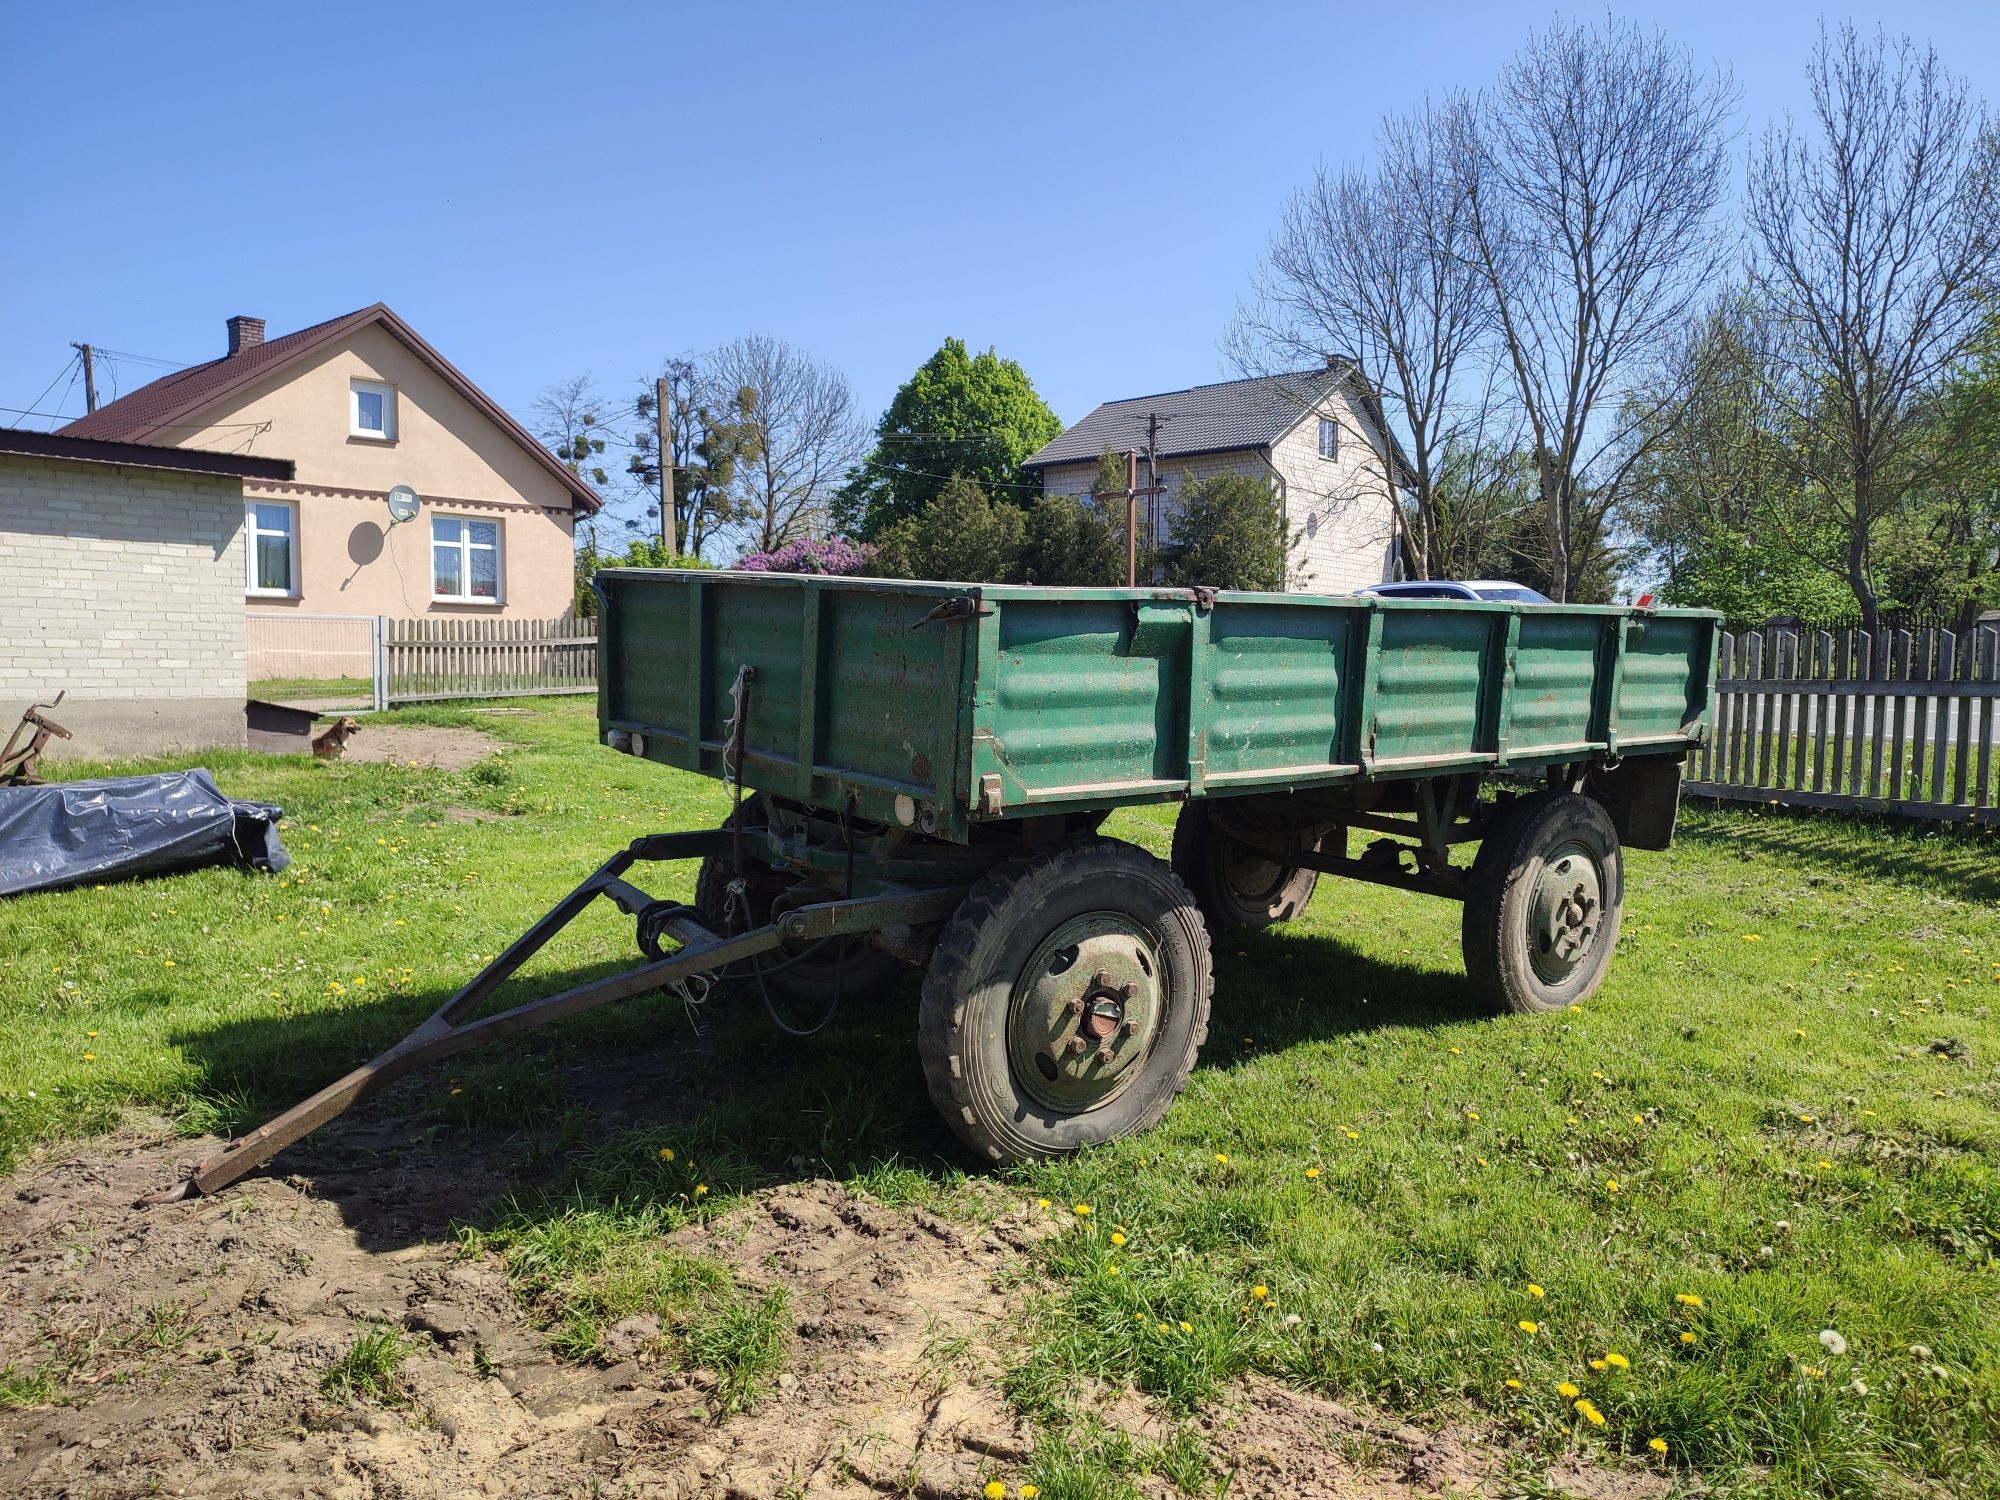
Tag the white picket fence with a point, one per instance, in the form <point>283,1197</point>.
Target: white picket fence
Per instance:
<point>374,661</point>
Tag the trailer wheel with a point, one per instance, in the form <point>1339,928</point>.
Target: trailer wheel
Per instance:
<point>1543,903</point>
<point>812,980</point>
<point>1235,885</point>
<point>1065,1001</point>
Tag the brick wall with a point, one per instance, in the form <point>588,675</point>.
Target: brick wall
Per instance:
<point>125,587</point>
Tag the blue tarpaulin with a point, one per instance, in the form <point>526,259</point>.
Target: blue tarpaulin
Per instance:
<point>73,831</point>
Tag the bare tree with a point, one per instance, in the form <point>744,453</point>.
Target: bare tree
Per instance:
<point>1379,268</point>
<point>1876,244</point>
<point>808,437</point>
<point>569,419</point>
<point>1591,175</point>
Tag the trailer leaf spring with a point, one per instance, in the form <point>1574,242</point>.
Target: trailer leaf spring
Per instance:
<point>452,1027</point>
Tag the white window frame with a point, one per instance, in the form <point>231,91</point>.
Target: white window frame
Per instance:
<point>251,531</point>
<point>466,547</point>
<point>356,389</point>
<point>1328,427</point>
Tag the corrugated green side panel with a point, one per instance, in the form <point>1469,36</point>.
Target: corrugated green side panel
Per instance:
<point>1428,685</point>
<point>1274,680</point>
<point>852,694</point>
<point>1665,683</point>
<point>1555,682</point>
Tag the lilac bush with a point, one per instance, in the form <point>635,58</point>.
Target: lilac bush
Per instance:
<point>835,555</point>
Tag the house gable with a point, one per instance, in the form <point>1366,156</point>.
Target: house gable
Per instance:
<point>205,405</point>
<point>444,446</point>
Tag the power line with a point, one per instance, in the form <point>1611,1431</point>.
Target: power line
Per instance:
<point>65,370</point>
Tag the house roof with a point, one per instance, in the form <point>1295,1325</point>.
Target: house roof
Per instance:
<point>1218,418</point>
<point>65,445</point>
<point>168,404</point>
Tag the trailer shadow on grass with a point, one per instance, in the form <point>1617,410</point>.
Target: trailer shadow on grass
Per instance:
<point>583,1111</point>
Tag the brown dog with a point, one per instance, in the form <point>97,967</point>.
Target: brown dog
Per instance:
<point>331,742</point>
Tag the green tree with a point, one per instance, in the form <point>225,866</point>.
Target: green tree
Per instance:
<point>712,431</point>
<point>975,415</point>
<point>963,535</point>
<point>1228,534</point>
<point>1072,541</point>
<point>640,552</point>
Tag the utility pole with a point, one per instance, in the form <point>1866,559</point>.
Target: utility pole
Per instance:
<point>1153,488</point>
<point>89,375</point>
<point>1131,519</point>
<point>668,539</point>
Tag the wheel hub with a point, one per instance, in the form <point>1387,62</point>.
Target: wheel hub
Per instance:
<point>1566,913</point>
<point>1085,1012</point>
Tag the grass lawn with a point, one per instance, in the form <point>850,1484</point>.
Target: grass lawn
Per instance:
<point>1744,1203</point>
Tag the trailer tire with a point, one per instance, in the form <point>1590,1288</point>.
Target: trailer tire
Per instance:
<point>813,983</point>
<point>1233,884</point>
<point>1099,923</point>
<point>1543,903</point>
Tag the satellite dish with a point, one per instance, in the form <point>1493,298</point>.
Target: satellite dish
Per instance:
<point>402,504</point>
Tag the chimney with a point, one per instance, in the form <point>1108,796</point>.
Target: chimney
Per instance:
<point>245,334</point>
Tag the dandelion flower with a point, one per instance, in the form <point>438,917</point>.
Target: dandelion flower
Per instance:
<point>994,1490</point>
<point>1813,1370</point>
<point>1617,1361</point>
<point>1027,1492</point>
<point>1831,1341</point>
<point>1611,1185</point>
<point>1687,1336</point>
<point>1753,937</point>
<point>1529,1325</point>
<point>1117,1237</point>
<point>1535,1291</point>
<point>1186,1327</point>
<point>1600,1365</point>
<point>1260,1292</point>
<point>1311,1173</point>
<point>1082,1210</point>
<point>1041,1203</point>
<point>456,1092</point>
<point>700,1188</point>
<point>90,1033</point>
<point>1567,1390</point>
<point>1221,1160</point>
<point>1799,1032</point>
<point>1590,1413</point>
<point>167,962</point>
<point>1165,1329</point>
<point>1688,1299</point>
<point>666,1153</point>
<point>1824,1166</point>
<point>1111,1270</point>
<point>1457,1051</point>
<point>1353,1135</point>
<point>1513,1385</point>
<point>1658,1445</point>
<point>90,1057</point>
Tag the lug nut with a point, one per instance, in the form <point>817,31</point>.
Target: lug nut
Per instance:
<point>1073,1006</point>
<point>1102,979</point>
<point>1131,990</point>
<point>1078,1045</point>
<point>1130,1028</point>
<point>1104,1054</point>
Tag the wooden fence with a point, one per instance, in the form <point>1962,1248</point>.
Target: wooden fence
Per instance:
<point>454,657</point>
<point>1898,721</point>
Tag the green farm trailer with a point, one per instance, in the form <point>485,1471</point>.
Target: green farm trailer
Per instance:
<point>920,772</point>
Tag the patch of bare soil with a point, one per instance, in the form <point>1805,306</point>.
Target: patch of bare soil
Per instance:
<point>421,745</point>
<point>195,1336</point>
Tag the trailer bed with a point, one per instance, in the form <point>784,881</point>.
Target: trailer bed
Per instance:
<point>949,704</point>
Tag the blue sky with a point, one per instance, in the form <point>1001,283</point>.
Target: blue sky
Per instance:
<point>550,190</point>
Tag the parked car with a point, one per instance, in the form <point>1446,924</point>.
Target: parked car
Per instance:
<point>1448,588</point>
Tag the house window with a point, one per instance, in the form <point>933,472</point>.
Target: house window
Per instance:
<point>371,410</point>
<point>465,560</point>
<point>271,549</point>
<point>1329,438</point>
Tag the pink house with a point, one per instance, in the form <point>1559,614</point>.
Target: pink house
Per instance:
<point>362,405</point>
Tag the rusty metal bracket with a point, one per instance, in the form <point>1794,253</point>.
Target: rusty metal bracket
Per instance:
<point>449,1029</point>
<point>18,761</point>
